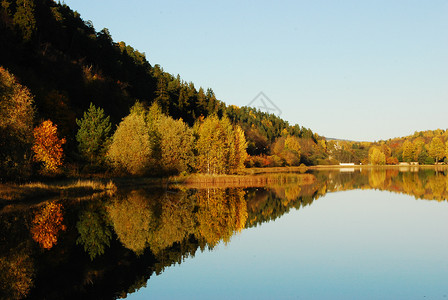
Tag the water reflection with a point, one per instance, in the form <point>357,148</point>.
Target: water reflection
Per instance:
<point>110,246</point>
<point>425,184</point>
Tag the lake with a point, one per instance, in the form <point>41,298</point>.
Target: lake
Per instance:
<point>362,234</point>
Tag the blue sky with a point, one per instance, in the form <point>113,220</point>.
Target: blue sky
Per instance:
<point>360,70</point>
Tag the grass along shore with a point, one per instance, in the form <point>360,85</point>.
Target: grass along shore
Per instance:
<point>69,188</point>
<point>249,177</point>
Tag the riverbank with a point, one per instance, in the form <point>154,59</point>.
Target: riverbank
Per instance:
<point>256,177</point>
<point>250,177</point>
<point>68,188</point>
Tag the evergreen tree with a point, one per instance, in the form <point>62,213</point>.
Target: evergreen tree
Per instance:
<point>93,135</point>
<point>24,18</point>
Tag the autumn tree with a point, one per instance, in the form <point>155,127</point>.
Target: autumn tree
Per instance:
<point>211,146</point>
<point>240,145</point>
<point>376,157</point>
<point>437,149</point>
<point>93,135</point>
<point>408,151</point>
<point>221,147</point>
<point>47,146</point>
<point>446,149</point>
<point>131,147</point>
<point>176,143</point>
<point>16,127</point>
<point>419,149</point>
<point>287,149</point>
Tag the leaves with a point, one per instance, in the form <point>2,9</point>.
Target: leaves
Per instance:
<point>47,146</point>
<point>93,135</point>
<point>16,127</point>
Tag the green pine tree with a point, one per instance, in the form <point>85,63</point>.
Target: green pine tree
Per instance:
<point>24,18</point>
<point>93,135</point>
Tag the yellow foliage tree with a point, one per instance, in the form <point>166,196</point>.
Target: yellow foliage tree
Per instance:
<point>131,148</point>
<point>437,149</point>
<point>47,146</point>
<point>221,147</point>
<point>376,157</point>
<point>16,127</point>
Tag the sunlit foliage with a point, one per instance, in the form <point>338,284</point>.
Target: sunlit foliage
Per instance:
<point>131,146</point>
<point>93,135</point>
<point>287,149</point>
<point>221,147</point>
<point>47,146</point>
<point>16,127</point>
<point>176,145</point>
<point>376,156</point>
<point>408,151</point>
<point>47,224</point>
<point>437,149</point>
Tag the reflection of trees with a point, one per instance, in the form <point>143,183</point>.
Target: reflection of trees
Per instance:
<point>165,227</point>
<point>221,212</point>
<point>377,178</point>
<point>160,220</point>
<point>94,234</point>
<point>16,274</point>
<point>132,219</point>
<point>176,221</point>
<point>269,204</point>
<point>46,225</point>
<point>425,184</point>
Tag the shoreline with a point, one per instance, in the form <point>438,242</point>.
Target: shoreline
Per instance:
<point>250,177</point>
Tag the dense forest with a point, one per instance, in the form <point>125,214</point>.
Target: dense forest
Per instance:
<point>73,101</point>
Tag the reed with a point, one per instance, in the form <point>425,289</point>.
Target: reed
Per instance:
<point>35,190</point>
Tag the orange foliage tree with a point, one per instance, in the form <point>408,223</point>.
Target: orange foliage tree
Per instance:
<point>47,146</point>
<point>46,225</point>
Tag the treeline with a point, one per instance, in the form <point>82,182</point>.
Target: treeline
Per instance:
<point>145,142</point>
<point>424,147</point>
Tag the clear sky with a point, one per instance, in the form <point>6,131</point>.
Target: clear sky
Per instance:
<point>360,70</point>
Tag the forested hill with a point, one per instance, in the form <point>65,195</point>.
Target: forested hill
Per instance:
<point>53,65</point>
<point>67,64</point>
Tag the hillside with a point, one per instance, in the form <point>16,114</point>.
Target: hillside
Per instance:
<point>63,64</point>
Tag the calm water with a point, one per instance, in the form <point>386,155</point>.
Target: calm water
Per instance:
<point>374,234</point>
